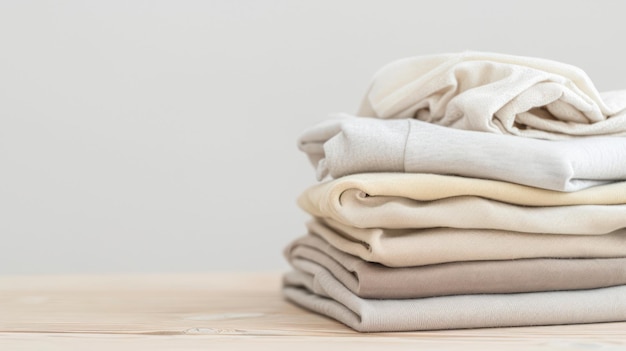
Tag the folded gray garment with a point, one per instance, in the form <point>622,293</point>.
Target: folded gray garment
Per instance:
<point>313,287</point>
<point>346,200</point>
<point>348,145</point>
<point>496,93</point>
<point>372,280</point>
<point>406,248</point>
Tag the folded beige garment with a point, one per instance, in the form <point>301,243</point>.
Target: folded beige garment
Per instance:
<point>372,280</point>
<point>496,93</point>
<point>314,288</point>
<point>401,200</point>
<point>410,247</point>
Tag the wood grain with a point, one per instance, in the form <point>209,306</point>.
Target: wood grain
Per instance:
<point>226,311</point>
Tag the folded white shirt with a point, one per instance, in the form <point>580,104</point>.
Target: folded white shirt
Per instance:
<point>496,93</point>
<point>347,145</point>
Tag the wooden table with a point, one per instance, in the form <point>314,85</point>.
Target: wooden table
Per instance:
<point>226,311</point>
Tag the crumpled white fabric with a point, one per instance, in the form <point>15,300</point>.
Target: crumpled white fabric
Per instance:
<point>496,93</point>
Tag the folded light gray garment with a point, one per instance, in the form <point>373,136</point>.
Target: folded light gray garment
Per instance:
<point>314,288</point>
<point>410,247</point>
<point>372,280</point>
<point>389,200</point>
<point>496,93</point>
<point>347,145</point>
<point>428,187</point>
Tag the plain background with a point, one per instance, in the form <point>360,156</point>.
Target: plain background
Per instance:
<point>160,136</point>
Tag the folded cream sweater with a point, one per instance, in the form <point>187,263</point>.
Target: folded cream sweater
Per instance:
<point>399,200</point>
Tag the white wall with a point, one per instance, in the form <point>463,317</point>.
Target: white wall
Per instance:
<point>157,136</point>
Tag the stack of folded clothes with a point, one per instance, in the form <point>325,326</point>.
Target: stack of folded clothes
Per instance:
<point>471,190</point>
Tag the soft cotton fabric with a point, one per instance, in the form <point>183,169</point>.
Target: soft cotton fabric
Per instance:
<point>398,200</point>
<point>409,247</point>
<point>372,280</point>
<point>315,288</point>
<point>347,145</point>
<point>496,93</point>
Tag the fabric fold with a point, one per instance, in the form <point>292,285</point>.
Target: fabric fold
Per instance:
<point>372,280</point>
<point>348,145</point>
<point>496,93</point>
<point>313,287</point>
<point>410,247</point>
<point>400,200</point>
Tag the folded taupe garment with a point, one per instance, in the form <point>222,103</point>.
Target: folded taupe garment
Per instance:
<point>411,247</point>
<point>372,280</point>
<point>348,145</point>
<point>314,288</point>
<point>404,200</point>
<point>496,93</point>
